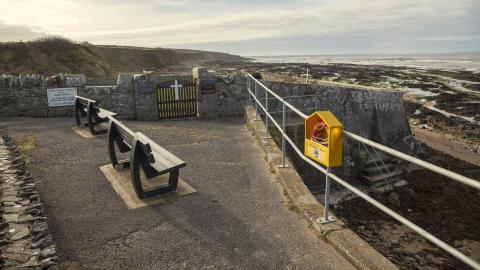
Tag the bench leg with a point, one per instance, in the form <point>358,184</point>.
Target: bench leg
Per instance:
<point>173,179</point>
<point>94,120</point>
<point>113,138</point>
<point>138,160</point>
<point>78,113</point>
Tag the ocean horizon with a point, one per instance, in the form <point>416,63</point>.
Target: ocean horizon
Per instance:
<point>459,61</point>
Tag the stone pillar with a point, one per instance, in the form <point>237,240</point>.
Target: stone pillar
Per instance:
<point>207,99</point>
<point>146,102</point>
<point>123,101</point>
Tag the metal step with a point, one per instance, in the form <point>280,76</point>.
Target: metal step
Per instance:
<point>374,170</point>
<point>380,177</point>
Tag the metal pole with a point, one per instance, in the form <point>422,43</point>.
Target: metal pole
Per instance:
<point>306,79</point>
<point>248,87</point>
<point>283,165</point>
<point>266,115</point>
<point>256,103</point>
<point>326,218</point>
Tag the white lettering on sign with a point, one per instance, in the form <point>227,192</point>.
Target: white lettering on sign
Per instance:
<point>58,97</point>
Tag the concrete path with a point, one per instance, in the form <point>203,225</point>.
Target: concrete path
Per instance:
<point>237,220</point>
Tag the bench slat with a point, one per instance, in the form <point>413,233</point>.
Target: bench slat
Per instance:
<point>164,160</point>
<point>104,113</point>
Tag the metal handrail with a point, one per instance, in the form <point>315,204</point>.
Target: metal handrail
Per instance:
<point>468,181</point>
<point>429,166</point>
<point>382,166</point>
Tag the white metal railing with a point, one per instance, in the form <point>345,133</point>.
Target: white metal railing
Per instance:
<point>328,174</point>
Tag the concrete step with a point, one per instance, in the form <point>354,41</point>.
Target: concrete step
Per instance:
<point>379,187</point>
<point>378,158</point>
<point>374,170</point>
<point>380,177</point>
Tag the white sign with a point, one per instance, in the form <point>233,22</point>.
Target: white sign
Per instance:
<point>61,96</point>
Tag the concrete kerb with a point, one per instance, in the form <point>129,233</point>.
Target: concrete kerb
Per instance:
<point>301,200</point>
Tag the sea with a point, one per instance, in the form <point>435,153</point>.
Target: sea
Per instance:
<point>468,61</point>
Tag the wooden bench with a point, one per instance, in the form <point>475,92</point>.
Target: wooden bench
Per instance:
<point>144,154</point>
<point>95,115</point>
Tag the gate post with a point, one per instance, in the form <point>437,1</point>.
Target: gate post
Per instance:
<point>146,100</point>
<point>207,99</point>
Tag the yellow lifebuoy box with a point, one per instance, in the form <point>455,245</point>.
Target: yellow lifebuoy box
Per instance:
<point>323,138</point>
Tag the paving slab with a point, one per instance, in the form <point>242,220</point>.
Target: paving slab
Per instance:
<point>83,132</point>
<point>122,184</point>
<point>237,219</point>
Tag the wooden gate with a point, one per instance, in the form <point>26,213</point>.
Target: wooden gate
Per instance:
<point>177,99</point>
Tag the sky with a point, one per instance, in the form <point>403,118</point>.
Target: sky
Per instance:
<point>249,28</point>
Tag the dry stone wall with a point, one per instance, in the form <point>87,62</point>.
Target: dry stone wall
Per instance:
<point>228,99</point>
<point>26,95</point>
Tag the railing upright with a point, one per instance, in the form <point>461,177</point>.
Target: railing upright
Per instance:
<point>326,218</point>
<point>283,165</point>
<point>256,103</point>
<point>248,87</point>
<point>266,115</point>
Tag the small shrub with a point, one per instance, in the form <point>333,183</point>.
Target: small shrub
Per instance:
<point>53,43</point>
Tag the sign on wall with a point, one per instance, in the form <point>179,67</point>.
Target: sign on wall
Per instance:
<point>145,87</point>
<point>58,97</point>
<point>207,86</point>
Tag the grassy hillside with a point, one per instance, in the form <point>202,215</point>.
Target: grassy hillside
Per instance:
<point>55,54</point>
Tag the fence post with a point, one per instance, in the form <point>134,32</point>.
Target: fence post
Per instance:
<point>266,115</point>
<point>326,218</point>
<point>283,165</point>
<point>256,103</point>
<point>248,87</point>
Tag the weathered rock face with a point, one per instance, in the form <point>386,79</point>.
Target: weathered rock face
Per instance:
<point>25,241</point>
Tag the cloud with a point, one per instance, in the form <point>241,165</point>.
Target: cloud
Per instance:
<point>195,22</point>
<point>17,33</point>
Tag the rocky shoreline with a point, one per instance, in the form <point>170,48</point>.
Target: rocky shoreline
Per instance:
<point>438,100</point>
<point>25,240</point>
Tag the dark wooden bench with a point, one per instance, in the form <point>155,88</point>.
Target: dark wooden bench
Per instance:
<point>95,115</point>
<point>144,154</point>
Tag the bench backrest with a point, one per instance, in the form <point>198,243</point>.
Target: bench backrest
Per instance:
<point>95,115</point>
<point>152,155</point>
<point>84,101</point>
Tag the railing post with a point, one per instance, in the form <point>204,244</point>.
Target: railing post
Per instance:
<point>248,87</point>
<point>283,165</point>
<point>266,115</point>
<point>326,218</point>
<point>256,104</point>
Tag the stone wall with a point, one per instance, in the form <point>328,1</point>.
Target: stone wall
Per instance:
<point>377,114</point>
<point>133,96</point>
<point>26,95</point>
<point>228,99</point>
